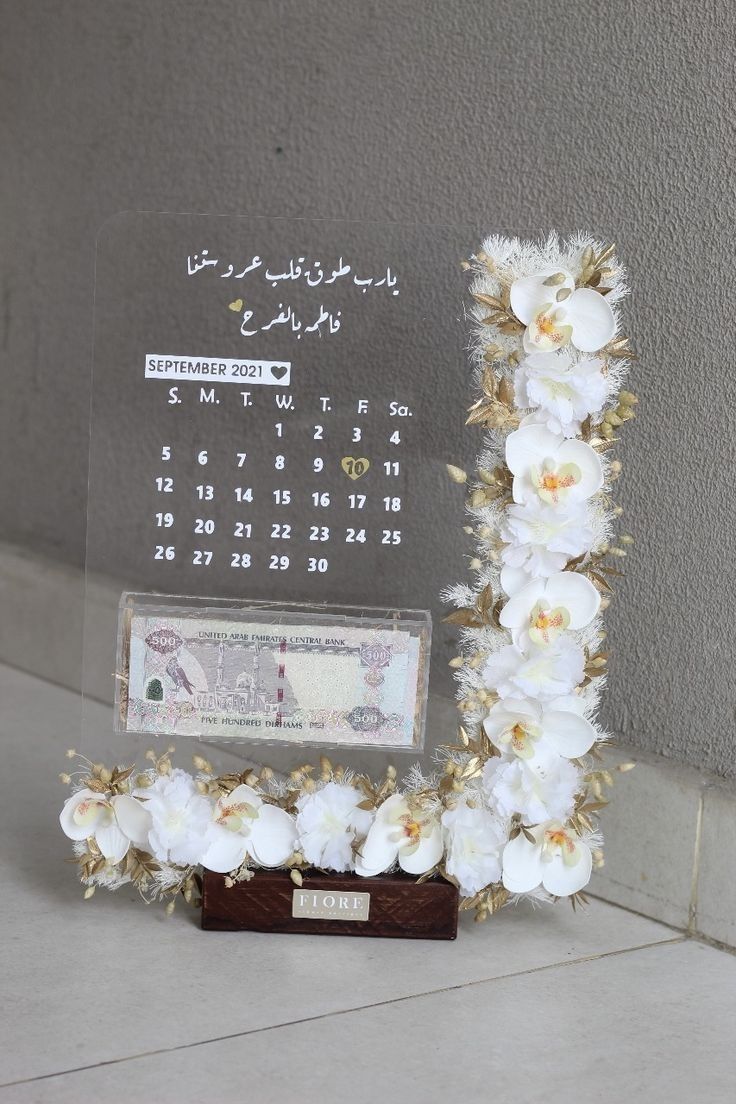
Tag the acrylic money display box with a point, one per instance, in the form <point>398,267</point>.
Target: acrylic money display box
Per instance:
<point>274,403</point>
<point>267,673</point>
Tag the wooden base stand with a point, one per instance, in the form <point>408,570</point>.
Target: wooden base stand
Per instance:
<point>391,905</point>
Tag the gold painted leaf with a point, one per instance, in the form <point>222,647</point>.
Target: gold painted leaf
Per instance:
<point>496,612</point>
<point>489,382</point>
<point>470,767</point>
<point>575,562</point>
<point>487,300</point>
<point>593,806</point>
<point>605,255</point>
<point>468,618</point>
<point>478,414</point>
<point>485,599</point>
<point>506,391</point>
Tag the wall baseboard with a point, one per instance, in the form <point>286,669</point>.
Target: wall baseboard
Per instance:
<point>669,831</point>
<point>668,845</point>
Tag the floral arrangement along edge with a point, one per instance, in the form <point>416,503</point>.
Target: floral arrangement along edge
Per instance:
<point>513,805</point>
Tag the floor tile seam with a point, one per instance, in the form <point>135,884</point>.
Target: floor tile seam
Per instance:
<point>582,960</point>
<point>680,929</point>
<point>692,912</point>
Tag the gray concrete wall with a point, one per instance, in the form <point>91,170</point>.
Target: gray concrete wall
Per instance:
<point>613,117</point>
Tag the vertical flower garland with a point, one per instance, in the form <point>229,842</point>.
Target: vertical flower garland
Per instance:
<point>549,360</point>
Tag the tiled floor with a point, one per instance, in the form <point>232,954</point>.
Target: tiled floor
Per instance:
<point>106,1000</point>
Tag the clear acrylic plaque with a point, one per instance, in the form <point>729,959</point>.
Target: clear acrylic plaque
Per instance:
<point>274,402</point>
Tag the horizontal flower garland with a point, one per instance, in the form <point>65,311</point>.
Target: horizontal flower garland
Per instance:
<point>512,807</point>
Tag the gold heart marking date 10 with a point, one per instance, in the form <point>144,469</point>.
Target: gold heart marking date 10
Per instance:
<point>354,466</point>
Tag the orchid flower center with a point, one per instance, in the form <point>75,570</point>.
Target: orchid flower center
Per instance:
<point>553,481</point>
<point>522,737</point>
<point>412,826</point>
<point>558,841</point>
<point>91,810</point>
<point>546,624</point>
<point>547,330</point>
<point>233,817</point>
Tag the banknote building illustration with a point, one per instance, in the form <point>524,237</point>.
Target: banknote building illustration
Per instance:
<point>237,685</point>
<point>250,693</point>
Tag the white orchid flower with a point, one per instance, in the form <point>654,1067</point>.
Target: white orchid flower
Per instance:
<point>542,673</point>
<point>473,842</point>
<point>556,313</point>
<point>556,859</point>
<point>243,824</point>
<point>404,830</point>
<point>113,822</point>
<point>545,608</point>
<point>546,466</point>
<point>540,539</point>
<point>562,391</point>
<point>538,789</point>
<point>329,823</point>
<point>528,729</point>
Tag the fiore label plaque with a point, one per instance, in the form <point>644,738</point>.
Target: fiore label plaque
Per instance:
<point>318,904</point>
